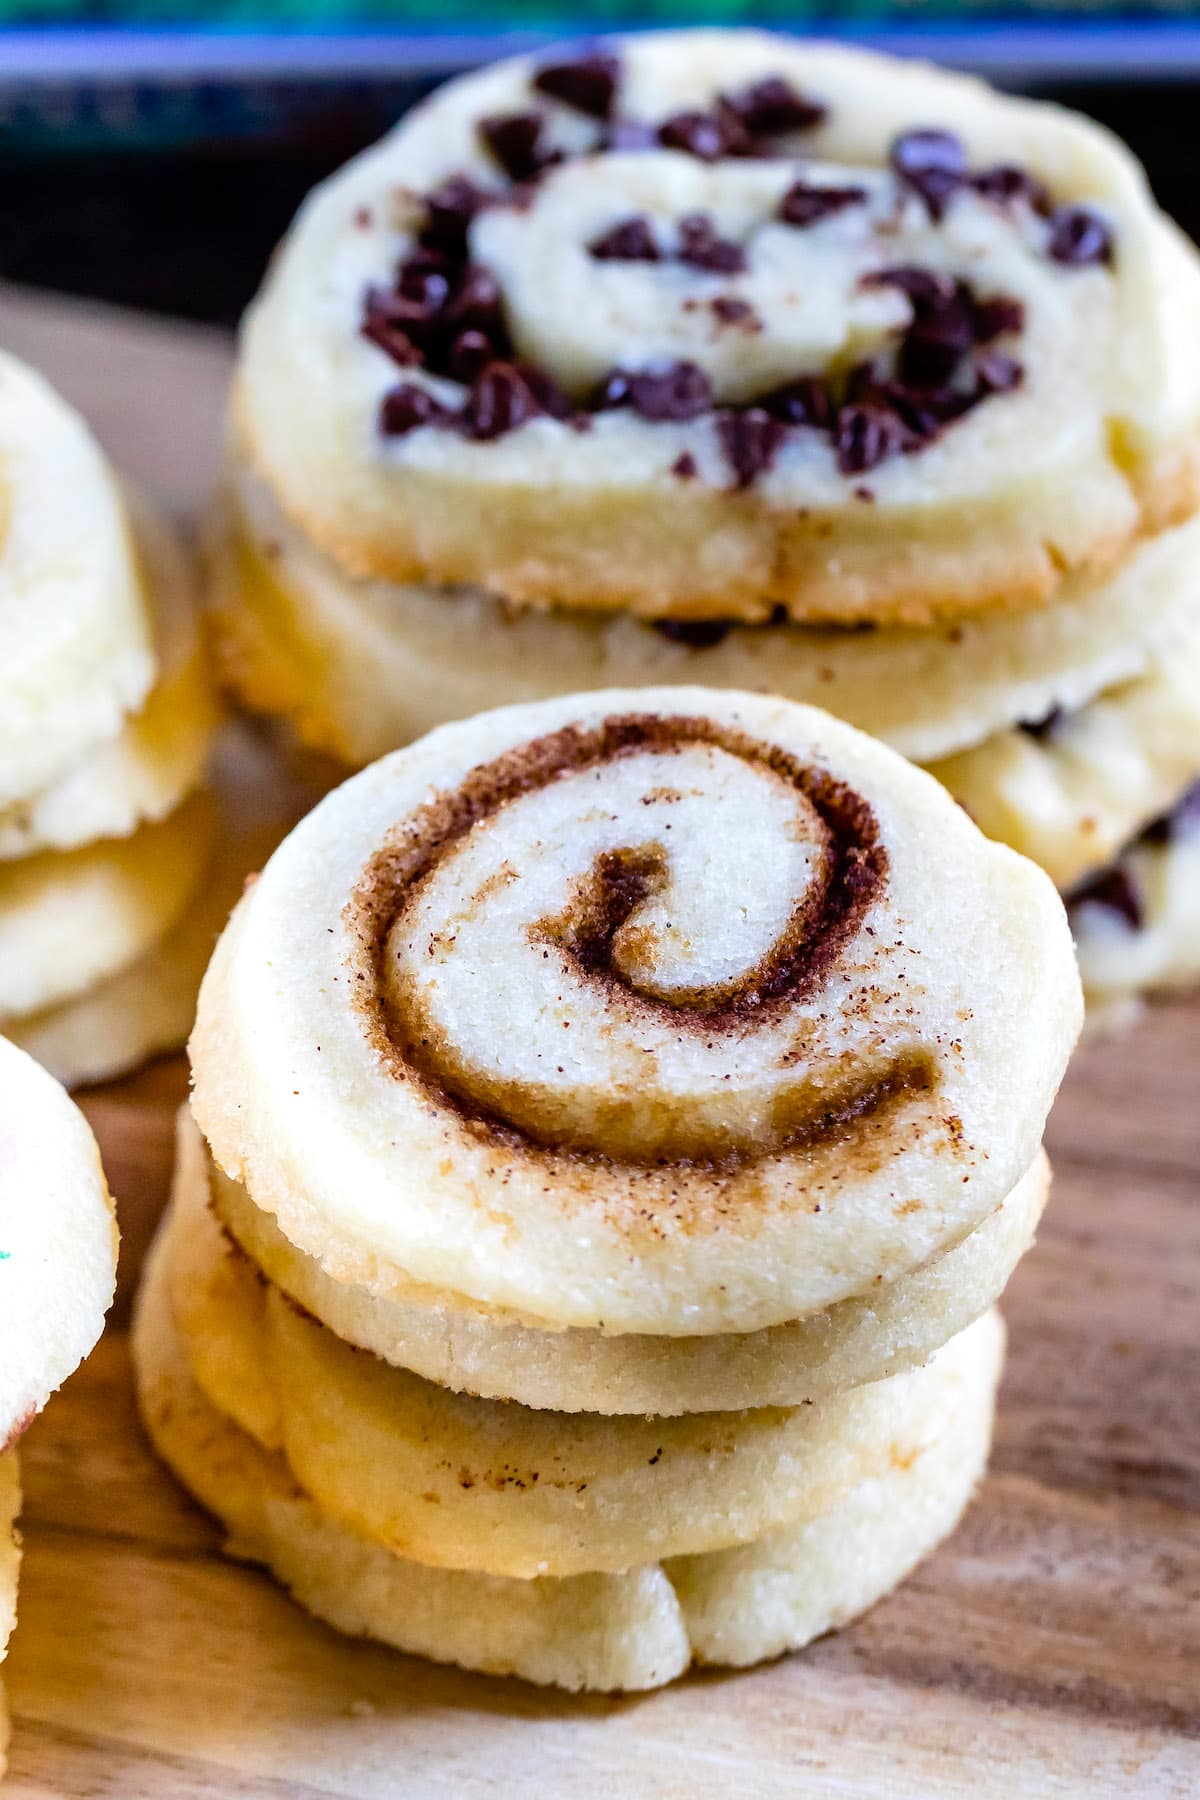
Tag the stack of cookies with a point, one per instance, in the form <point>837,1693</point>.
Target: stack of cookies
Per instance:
<point>58,1255</point>
<point>106,721</point>
<point>614,1121</point>
<point>715,357</point>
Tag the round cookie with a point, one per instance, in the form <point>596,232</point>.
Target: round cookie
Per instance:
<point>360,667</point>
<point>75,644</point>
<point>159,754</point>
<point>655,1011</point>
<point>728,322</point>
<point>58,1239</point>
<point>1137,923</point>
<point>633,1630</point>
<point>498,1357</point>
<point>1071,791</point>
<point>71,919</point>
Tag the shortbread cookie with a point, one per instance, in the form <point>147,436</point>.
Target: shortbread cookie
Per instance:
<point>493,1355</point>
<point>658,1011</point>
<point>1071,789</point>
<point>713,322</point>
<point>58,1239</point>
<point>360,667</point>
<point>1137,923</point>
<point>75,643</point>
<point>71,919</point>
<point>159,754</point>
<point>633,1630</point>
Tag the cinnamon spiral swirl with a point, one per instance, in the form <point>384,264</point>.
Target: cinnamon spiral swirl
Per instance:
<point>664,1012</point>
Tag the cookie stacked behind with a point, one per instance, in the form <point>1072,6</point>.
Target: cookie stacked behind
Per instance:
<point>686,361</point>
<point>614,1121</point>
<point>106,722</point>
<point>58,1253</point>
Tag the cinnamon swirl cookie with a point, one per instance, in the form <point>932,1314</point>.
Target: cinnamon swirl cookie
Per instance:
<point>76,644</point>
<point>58,1251</point>
<point>634,1629</point>
<point>654,1012</point>
<point>707,324</point>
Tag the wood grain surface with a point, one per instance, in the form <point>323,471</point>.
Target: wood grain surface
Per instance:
<point>1052,1648</point>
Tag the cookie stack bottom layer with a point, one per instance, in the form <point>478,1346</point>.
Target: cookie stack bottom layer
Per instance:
<point>613,1629</point>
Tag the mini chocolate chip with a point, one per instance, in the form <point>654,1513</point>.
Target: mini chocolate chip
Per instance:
<point>500,401</point>
<point>694,634</point>
<point>1114,890</point>
<point>449,210</point>
<point>478,304</point>
<point>423,285</point>
<point>628,134</point>
<point>727,309</point>
<point>684,467</point>
<point>383,325</point>
<point>630,241</point>
<point>680,391</point>
<point>701,247</point>
<point>932,163</point>
<point>469,355</point>
<point>924,287</point>
<point>515,140</point>
<point>805,401</point>
<point>1044,727</point>
<point>613,391</point>
<point>407,407</point>
<point>806,205</point>
<point>1079,238</point>
<point>588,84</point>
<point>996,373</point>
<point>866,436</point>
<point>1005,183</point>
<point>751,442</point>
<point>936,342</point>
<point>704,135</point>
<point>772,106</point>
<point>996,317</point>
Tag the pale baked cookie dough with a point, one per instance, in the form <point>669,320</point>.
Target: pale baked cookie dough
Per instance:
<point>76,650</point>
<point>632,1630</point>
<point>649,1011</point>
<point>1137,924</point>
<point>360,667</point>
<point>221,1241</point>
<point>160,752</point>
<point>714,322</point>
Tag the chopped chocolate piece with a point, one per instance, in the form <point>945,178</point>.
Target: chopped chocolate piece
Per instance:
<point>727,309</point>
<point>1079,238</point>
<point>449,210</point>
<point>751,442</point>
<point>694,634</point>
<point>630,241</point>
<point>866,436</point>
<point>1183,820</point>
<point>805,401</point>
<point>996,317</point>
<point>1044,727</point>
<point>933,164</point>
<point>588,84</point>
<point>628,134</point>
<point>773,106</point>
<point>515,140</point>
<point>500,401</point>
<point>702,247</point>
<point>684,467</point>
<point>996,373</point>
<point>1006,183</point>
<point>406,407</point>
<point>680,391</point>
<point>704,135</point>
<point>806,205</point>
<point>1113,889</point>
<point>383,325</point>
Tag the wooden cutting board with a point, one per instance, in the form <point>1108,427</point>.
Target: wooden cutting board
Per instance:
<point>1052,1648</point>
